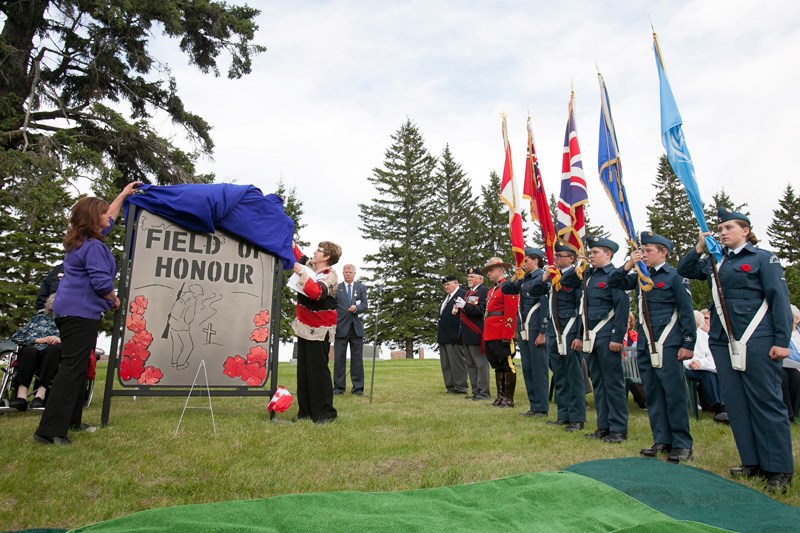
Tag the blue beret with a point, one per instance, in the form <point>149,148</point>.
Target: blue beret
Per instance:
<point>725,214</point>
<point>648,237</point>
<point>534,251</point>
<point>601,241</point>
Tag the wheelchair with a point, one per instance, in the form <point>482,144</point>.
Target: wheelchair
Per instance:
<point>9,354</point>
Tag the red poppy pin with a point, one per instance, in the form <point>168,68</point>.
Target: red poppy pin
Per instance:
<point>746,268</point>
<point>601,285</point>
<point>660,285</point>
<point>565,289</point>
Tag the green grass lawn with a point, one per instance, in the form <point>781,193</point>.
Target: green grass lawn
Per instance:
<point>412,436</point>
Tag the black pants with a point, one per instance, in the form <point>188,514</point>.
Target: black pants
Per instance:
<point>499,355</point>
<point>356,361</point>
<point>65,403</point>
<point>314,387</point>
<point>42,363</point>
<point>790,386</point>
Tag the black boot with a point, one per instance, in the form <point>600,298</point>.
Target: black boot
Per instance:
<point>498,377</point>
<point>509,385</point>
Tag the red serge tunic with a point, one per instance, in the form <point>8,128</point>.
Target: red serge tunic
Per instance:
<point>315,314</point>
<point>500,322</point>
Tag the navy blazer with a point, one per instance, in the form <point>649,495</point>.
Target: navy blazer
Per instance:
<point>600,299</point>
<point>670,292</point>
<point>447,332</point>
<point>345,318</point>
<point>473,312</point>
<point>747,279</point>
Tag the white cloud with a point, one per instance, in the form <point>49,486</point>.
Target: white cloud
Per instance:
<point>339,78</point>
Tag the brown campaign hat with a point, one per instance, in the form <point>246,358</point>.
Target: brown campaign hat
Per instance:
<point>495,262</point>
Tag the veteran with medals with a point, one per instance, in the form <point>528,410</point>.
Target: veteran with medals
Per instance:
<point>666,337</point>
<point>472,308</point>
<point>752,315</point>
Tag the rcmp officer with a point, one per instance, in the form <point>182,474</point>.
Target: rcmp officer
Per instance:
<point>604,318</point>
<point>757,303</point>
<point>666,337</point>
<point>565,361</point>
<point>532,328</point>
<point>499,325</point>
<point>473,307</point>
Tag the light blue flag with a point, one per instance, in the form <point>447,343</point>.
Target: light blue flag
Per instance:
<point>678,153</point>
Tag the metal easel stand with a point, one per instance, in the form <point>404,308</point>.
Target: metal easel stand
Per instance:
<point>208,391</point>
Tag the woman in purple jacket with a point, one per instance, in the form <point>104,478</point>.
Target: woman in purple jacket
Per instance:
<point>85,293</point>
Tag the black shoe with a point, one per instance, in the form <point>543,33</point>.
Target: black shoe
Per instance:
<point>337,391</point>
<point>721,418</point>
<point>615,438</point>
<point>452,391</point>
<point>324,420</point>
<point>469,397</point>
<point>478,397</point>
<point>778,482</point>
<point>63,441</point>
<point>599,434</point>
<point>574,426</point>
<point>20,404</point>
<point>655,449</point>
<point>86,428</point>
<point>557,422</point>
<point>529,412</point>
<point>679,454</point>
<point>745,470</point>
<point>358,392</point>
<point>36,404</point>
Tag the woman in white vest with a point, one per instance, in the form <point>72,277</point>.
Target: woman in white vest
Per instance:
<point>756,305</point>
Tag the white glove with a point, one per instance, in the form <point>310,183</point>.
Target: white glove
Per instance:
<point>460,303</point>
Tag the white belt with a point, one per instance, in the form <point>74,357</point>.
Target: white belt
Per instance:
<point>657,358</point>
<point>523,333</point>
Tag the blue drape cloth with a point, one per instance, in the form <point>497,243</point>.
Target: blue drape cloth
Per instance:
<point>241,210</point>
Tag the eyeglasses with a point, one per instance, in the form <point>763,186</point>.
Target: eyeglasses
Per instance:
<point>563,255</point>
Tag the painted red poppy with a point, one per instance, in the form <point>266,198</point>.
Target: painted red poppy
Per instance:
<point>142,338</point>
<point>260,335</point>
<point>257,354</point>
<point>746,268</point>
<point>233,366</point>
<point>138,305</point>
<point>254,373</point>
<point>135,322</point>
<point>150,376</point>
<point>660,285</point>
<point>132,349</point>
<point>261,318</point>
<point>130,368</point>
<point>601,285</point>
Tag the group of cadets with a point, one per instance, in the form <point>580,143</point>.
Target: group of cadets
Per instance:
<point>562,317</point>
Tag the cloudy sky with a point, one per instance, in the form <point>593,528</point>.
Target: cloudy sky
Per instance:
<point>339,78</point>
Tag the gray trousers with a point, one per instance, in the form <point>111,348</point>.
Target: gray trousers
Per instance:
<point>356,362</point>
<point>477,369</point>
<point>454,368</point>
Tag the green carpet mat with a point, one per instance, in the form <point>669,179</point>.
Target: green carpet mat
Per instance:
<point>687,493</point>
<point>547,501</point>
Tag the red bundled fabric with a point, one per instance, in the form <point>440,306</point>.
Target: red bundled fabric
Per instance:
<point>281,400</point>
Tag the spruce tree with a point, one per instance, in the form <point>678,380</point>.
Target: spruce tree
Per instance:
<point>669,214</point>
<point>455,204</point>
<point>719,200</point>
<point>784,230</point>
<point>493,231</point>
<point>399,220</point>
<point>293,207</point>
<point>33,219</point>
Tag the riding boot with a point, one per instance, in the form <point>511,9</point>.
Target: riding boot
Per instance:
<point>498,377</point>
<point>510,383</point>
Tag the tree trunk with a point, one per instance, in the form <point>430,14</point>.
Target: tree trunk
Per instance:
<point>409,348</point>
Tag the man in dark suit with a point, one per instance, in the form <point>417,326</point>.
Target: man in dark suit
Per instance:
<point>472,307</point>
<point>454,368</point>
<point>351,303</point>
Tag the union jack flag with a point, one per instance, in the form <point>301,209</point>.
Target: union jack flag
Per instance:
<point>533,191</point>
<point>571,217</point>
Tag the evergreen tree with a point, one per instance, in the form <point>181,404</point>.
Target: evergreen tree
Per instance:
<point>493,231</point>
<point>33,219</point>
<point>454,206</point>
<point>670,214</point>
<point>596,231</point>
<point>722,199</point>
<point>70,66</point>
<point>784,230</point>
<point>399,220</point>
<point>293,207</point>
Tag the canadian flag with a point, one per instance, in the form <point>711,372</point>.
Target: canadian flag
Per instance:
<point>508,194</point>
<point>281,400</point>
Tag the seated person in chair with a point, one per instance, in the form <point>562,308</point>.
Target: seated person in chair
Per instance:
<point>39,353</point>
<point>701,368</point>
